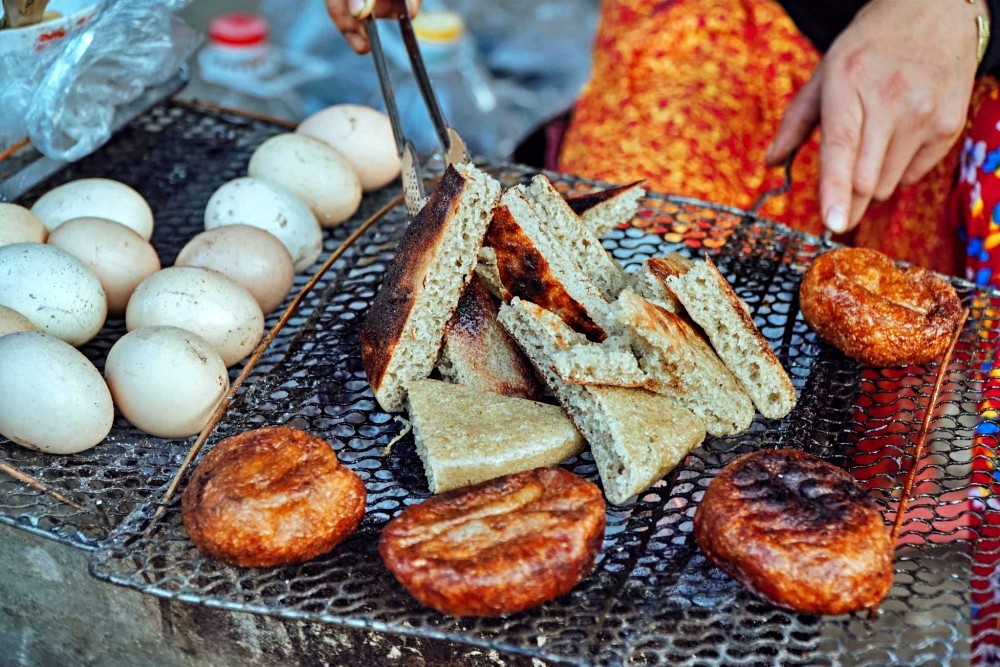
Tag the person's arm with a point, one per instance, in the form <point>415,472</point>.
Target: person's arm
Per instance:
<point>891,97</point>
<point>349,16</point>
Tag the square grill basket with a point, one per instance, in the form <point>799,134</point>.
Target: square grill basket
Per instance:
<point>653,598</point>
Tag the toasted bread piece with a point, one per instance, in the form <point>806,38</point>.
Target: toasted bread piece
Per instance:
<point>580,361</point>
<point>401,335</point>
<point>712,303</point>
<point>636,436</point>
<point>478,352</point>
<point>651,287</point>
<point>532,265</point>
<point>583,244</point>
<point>486,269</point>
<point>681,364</point>
<point>465,436</point>
<point>603,210</point>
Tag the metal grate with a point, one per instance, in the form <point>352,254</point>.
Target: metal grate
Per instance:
<point>652,599</point>
<point>176,156</point>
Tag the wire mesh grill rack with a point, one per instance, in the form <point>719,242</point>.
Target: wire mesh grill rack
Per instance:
<point>176,156</point>
<point>652,599</point>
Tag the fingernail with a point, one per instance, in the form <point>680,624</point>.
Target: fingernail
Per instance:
<point>355,6</point>
<point>769,153</point>
<point>836,219</point>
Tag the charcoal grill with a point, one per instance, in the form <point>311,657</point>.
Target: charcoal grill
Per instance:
<point>653,599</point>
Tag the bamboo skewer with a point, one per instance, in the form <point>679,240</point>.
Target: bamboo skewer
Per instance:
<point>918,448</point>
<point>41,486</point>
<point>220,410</point>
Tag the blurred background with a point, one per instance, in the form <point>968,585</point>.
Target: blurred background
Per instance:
<point>500,69</point>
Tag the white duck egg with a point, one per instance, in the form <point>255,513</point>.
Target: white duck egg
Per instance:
<point>203,302</point>
<point>12,321</point>
<point>363,136</point>
<point>313,172</point>
<point>258,203</point>
<point>95,198</point>
<point>19,225</point>
<point>54,290</point>
<point>249,256</point>
<point>120,258</point>
<point>51,397</point>
<point>165,380</point>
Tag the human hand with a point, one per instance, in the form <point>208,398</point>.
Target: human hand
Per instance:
<point>349,17</point>
<point>891,97</point>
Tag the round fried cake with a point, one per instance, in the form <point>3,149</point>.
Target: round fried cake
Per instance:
<point>797,531</point>
<point>497,547</point>
<point>271,496</point>
<point>860,302</point>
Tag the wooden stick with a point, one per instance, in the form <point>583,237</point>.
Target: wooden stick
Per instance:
<point>206,106</point>
<point>918,448</point>
<point>13,149</point>
<point>258,353</point>
<point>44,488</point>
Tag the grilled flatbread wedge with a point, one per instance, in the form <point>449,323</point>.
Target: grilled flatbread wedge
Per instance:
<point>680,364</point>
<point>401,335</point>
<point>478,352</point>
<point>579,361</point>
<point>711,302</point>
<point>602,210</point>
<point>572,234</point>
<point>465,436</point>
<point>648,283</point>
<point>636,436</point>
<point>532,265</point>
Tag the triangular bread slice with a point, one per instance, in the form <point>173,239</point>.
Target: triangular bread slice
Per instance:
<point>580,361</point>
<point>636,436</point>
<point>601,211</point>
<point>465,436</point>
<point>681,364</point>
<point>711,302</point>
<point>486,269</point>
<point>532,265</point>
<point>585,246</point>
<point>651,287</point>
<point>401,335</point>
<point>479,353</point>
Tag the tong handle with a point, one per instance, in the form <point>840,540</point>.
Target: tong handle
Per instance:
<point>780,190</point>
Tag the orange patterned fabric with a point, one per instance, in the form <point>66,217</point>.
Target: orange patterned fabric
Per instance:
<point>689,93</point>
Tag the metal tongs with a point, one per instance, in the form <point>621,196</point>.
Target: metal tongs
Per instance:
<point>452,144</point>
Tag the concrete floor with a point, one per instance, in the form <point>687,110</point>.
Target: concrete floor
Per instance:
<point>53,613</point>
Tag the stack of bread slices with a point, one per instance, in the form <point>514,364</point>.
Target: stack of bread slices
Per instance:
<point>511,300</point>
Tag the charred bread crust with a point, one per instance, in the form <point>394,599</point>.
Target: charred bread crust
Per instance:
<point>860,302</point>
<point>528,537</point>
<point>525,273</point>
<point>481,353</point>
<point>272,496</point>
<point>583,203</point>
<point>393,305</point>
<point>797,531</point>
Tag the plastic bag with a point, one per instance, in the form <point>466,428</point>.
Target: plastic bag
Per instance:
<point>64,98</point>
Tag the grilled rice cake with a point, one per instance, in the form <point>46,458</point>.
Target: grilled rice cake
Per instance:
<point>478,352</point>
<point>402,332</point>
<point>604,209</point>
<point>531,265</point>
